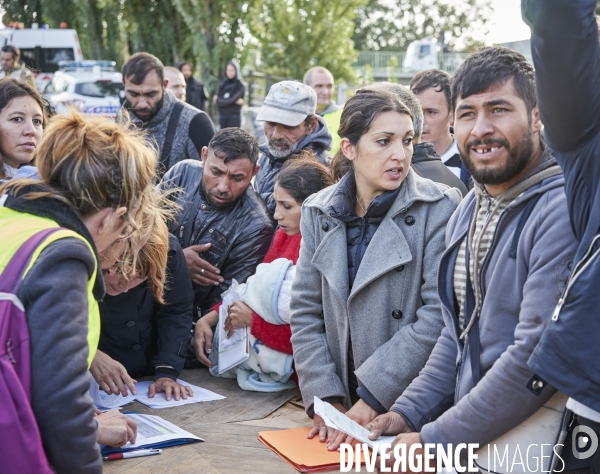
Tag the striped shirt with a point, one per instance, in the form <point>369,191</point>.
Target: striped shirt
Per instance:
<point>488,215</point>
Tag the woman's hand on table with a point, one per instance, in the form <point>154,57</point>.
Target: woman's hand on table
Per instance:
<point>363,414</point>
<point>170,387</point>
<point>115,429</point>
<point>320,428</point>
<point>111,375</point>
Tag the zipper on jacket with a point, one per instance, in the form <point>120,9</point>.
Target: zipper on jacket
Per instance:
<point>575,274</point>
<point>181,229</point>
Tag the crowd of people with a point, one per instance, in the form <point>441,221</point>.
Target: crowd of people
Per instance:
<point>430,272</point>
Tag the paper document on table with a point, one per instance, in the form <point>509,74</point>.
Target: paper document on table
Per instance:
<point>337,420</point>
<point>104,401</point>
<point>160,400</point>
<point>234,350</point>
<point>154,432</point>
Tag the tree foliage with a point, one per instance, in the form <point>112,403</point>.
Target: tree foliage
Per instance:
<point>218,33</point>
<point>284,37</point>
<point>392,25</point>
<point>294,35</point>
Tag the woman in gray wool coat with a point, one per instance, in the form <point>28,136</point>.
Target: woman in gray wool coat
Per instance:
<point>365,312</point>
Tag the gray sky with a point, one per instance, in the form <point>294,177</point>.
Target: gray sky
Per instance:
<point>507,24</point>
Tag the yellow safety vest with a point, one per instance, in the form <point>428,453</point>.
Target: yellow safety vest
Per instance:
<point>332,120</point>
<point>16,228</point>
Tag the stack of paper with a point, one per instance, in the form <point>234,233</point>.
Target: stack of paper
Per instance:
<point>154,432</point>
<point>337,420</point>
<point>103,401</point>
<point>303,454</point>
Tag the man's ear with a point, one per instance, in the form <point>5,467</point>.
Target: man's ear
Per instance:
<point>256,170</point>
<point>313,124</point>
<point>451,118</point>
<point>165,83</point>
<point>536,121</point>
<point>204,154</point>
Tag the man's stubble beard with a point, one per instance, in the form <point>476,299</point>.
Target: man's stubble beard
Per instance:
<point>155,109</point>
<point>518,157</point>
<point>210,200</point>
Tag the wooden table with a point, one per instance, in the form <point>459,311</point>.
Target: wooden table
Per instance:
<point>229,427</point>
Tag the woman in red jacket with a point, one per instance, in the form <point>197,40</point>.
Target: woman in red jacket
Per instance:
<point>299,178</point>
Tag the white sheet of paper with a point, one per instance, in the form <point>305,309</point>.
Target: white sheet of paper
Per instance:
<point>337,420</point>
<point>152,429</point>
<point>104,401</point>
<point>160,401</point>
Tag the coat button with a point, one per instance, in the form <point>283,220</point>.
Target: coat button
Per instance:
<point>410,220</point>
<point>130,324</point>
<point>400,268</point>
<point>136,347</point>
<point>203,206</point>
<point>396,314</point>
<point>325,226</point>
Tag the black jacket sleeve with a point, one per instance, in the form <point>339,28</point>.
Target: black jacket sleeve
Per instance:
<point>174,318</point>
<point>238,93</point>
<point>242,260</point>
<point>566,54</point>
<point>54,294</point>
<point>201,131</point>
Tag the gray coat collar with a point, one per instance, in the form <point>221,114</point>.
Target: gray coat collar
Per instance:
<point>416,189</point>
<point>387,250</point>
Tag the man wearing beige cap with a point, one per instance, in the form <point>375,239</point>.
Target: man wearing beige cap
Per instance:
<point>291,125</point>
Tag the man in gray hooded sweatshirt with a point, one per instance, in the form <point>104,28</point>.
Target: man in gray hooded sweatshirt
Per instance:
<point>509,249</point>
<point>291,125</point>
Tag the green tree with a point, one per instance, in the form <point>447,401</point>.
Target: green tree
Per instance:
<point>293,35</point>
<point>383,25</point>
<point>218,34</point>
<point>112,29</point>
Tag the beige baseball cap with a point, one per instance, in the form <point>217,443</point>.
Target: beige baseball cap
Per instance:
<point>288,103</point>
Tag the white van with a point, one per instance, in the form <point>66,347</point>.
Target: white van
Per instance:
<point>42,49</point>
<point>421,54</point>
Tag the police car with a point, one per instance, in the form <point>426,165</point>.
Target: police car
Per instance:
<point>92,87</point>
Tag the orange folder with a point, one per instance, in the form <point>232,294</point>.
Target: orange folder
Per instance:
<point>303,454</point>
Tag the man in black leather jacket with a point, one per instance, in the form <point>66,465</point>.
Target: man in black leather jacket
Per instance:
<point>223,226</point>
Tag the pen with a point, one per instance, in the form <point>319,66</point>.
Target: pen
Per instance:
<point>132,454</point>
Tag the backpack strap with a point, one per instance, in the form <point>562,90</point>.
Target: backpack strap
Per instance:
<point>165,155</point>
<point>473,336</point>
<point>512,253</point>
<point>11,276</point>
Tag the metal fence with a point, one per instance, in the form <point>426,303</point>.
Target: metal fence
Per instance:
<point>259,85</point>
<point>390,63</point>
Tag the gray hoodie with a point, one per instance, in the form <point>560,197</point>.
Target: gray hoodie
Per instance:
<point>518,295</point>
<point>319,141</point>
